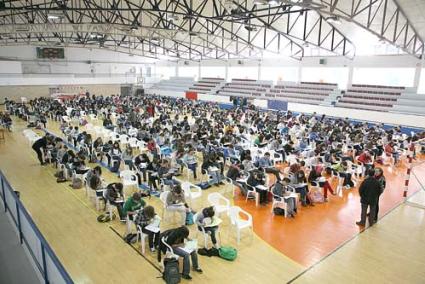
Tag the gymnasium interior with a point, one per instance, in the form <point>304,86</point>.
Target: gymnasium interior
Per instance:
<point>212,141</point>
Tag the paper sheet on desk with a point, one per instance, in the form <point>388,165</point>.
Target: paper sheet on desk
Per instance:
<point>190,246</point>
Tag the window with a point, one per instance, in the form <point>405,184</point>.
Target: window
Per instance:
<point>384,76</point>
<point>338,75</point>
<point>241,72</point>
<point>279,74</point>
<point>213,71</point>
<point>165,72</point>
<point>189,71</point>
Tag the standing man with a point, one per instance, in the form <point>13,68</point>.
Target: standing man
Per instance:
<point>379,176</point>
<point>369,190</point>
<point>41,144</point>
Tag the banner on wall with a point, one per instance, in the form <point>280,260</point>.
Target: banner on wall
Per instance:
<point>277,105</point>
<point>192,96</point>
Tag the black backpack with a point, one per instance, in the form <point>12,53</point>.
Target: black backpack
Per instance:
<point>171,274</point>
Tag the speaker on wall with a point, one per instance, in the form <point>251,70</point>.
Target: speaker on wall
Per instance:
<point>322,61</point>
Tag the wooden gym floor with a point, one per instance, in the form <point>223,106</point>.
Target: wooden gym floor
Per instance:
<point>283,251</point>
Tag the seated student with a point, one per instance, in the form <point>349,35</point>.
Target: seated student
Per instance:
<point>390,151</point>
<point>175,238</point>
<point>256,179</point>
<point>106,148</point>
<point>152,170</point>
<point>299,182</point>
<point>365,159</point>
<point>177,202</point>
<point>341,171</point>
<point>145,217</point>
<point>141,162</point>
<point>166,173</point>
<point>248,164</point>
<point>114,194</point>
<point>107,123</point>
<point>280,189</point>
<point>191,162</point>
<point>234,171</point>
<point>265,163</point>
<point>232,154</point>
<point>94,180</point>
<point>203,219</point>
<point>212,168</point>
<point>114,156</point>
<point>316,177</point>
<point>127,157</point>
<point>133,203</point>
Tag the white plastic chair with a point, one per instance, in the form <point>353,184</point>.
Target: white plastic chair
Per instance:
<point>133,142</point>
<point>240,223</point>
<point>204,233</point>
<point>163,198</point>
<point>142,237</point>
<point>93,117</point>
<point>123,139</point>
<point>251,192</point>
<point>128,178</point>
<point>191,191</point>
<point>220,203</point>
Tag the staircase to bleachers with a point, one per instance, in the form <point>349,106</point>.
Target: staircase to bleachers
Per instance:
<point>206,85</point>
<point>304,92</point>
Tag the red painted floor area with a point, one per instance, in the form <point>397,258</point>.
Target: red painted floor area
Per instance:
<point>317,231</point>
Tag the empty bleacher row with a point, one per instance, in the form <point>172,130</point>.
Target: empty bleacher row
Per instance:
<point>304,92</point>
<point>357,96</point>
<point>178,84</point>
<point>371,97</point>
<point>206,85</point>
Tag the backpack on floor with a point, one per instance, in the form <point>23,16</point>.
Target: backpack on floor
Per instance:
<point>171,274</point>
<point>228,253</point>
<point>130,238</point>
<point>77,183</point>
<point>204,185</point>
<point>104,218</point>
<point>278,211</point>
<point>316,196</point>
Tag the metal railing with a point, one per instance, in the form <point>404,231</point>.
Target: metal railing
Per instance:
<point>43,257</point>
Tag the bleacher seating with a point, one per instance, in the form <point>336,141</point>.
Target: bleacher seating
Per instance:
<point>304,92</point>
<point>245,88</point>
<point>179,84</point>
<point>206,85</point>
<point>371,97</point>
<point>410,103</point>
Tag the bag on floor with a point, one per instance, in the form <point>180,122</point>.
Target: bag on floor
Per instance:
<point>189,218</point>
<point>204,185</point>
<point>104,218</point>
<point>316,196</point>
<point>115,166</point>
<point>228,253</point>
<point>130,238</point>
<point>77,183</point>
<point>278,211</point>
<point>171,274</point>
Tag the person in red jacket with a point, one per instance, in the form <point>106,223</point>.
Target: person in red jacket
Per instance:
<point>365,159</point>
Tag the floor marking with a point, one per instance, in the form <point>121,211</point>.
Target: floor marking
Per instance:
<point>136,250</point>
<point>342,245</point>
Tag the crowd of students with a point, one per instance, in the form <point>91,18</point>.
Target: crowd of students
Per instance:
<point>216,143</point>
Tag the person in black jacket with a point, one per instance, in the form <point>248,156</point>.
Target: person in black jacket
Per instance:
<point>175,238</point>
<point>39,145</point>
<point>369,191</point>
